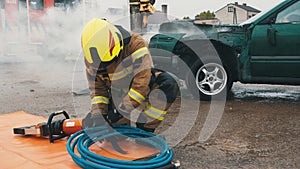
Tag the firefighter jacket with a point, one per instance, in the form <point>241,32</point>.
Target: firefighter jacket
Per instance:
<point>130,72</point>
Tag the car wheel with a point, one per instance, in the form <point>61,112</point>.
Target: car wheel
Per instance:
<point>209,79</point>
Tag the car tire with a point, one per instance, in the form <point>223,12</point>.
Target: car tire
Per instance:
<point>209,79</point>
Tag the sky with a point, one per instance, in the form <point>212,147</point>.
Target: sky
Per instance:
<point>181,8</point>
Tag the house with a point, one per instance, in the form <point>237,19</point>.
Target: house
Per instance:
<point>235,13</point>
<point>157,18</point>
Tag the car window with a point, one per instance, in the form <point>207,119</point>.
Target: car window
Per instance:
<point>290,14</point>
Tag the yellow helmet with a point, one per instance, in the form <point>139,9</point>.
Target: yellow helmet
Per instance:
<point>101,41</point>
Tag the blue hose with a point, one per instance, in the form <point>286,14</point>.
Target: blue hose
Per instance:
<point>89,160</point>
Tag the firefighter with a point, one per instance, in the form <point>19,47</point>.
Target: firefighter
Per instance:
<point>121,78</point>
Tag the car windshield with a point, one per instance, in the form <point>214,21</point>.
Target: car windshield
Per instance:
<point>254,18</point>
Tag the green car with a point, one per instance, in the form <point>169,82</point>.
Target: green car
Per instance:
<point>265,49</point>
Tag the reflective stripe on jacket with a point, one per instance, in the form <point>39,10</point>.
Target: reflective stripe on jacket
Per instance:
<point>132,70</point>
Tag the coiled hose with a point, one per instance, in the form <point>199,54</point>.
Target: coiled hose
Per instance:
<point>89,160</point>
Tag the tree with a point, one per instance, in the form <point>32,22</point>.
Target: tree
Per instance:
<point>186,17</point>
<point>205,15</point>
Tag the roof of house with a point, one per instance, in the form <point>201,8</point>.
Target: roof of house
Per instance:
<point>243,6</point>
<point>247,8</point>
<point>157,18</point>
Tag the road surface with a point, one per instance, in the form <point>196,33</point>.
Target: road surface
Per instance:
<point>259,128</point>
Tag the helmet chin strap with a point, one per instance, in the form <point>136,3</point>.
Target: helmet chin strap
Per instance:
<point>125,34</point>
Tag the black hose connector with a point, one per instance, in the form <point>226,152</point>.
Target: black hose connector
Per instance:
<point>55,128</point>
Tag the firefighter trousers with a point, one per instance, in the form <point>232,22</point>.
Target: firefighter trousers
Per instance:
<point>164,90</point>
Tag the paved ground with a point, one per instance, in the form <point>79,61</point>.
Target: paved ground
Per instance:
<point>260,126</point>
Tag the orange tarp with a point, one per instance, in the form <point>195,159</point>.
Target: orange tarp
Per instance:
<point>22,152</point>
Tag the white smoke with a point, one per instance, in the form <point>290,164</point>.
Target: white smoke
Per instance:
<point>51,63</point>
<point>61,33</point>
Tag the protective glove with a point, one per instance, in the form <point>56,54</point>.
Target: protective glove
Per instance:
<point>97,119</point>
<point>94,120</point>
<point>114,116</point>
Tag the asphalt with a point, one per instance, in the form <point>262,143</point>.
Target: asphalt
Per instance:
<point>259,125</point>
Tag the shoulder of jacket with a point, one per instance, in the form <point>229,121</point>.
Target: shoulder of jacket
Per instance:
<point>137,41</point>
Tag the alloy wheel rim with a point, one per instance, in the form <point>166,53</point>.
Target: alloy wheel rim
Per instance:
<point>211,79</point>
